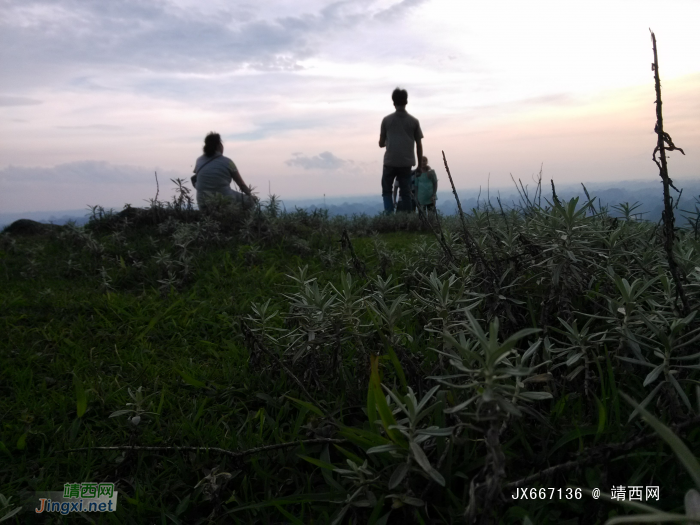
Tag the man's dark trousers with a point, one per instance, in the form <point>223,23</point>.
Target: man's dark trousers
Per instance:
<point>404,175</point>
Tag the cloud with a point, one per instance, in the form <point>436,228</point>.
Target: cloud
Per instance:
<point>105,127</point>
<point>82,172</point>
<point>6,100</point>
<point>274,128</point>
<point>159,36</point>
<point>397,10</point>
<point>323,161</point>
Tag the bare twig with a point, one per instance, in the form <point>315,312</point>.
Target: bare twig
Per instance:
<point>440,238</point>
<point>663,144</point>
<point>524,198</point>
<point>231,453</point>
<point>472,246</point>
<point>157,188</point>
<point>538,189</point>
<point>554,193</point>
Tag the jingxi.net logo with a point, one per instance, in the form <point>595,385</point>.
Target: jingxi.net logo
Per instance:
<point>78,497</point>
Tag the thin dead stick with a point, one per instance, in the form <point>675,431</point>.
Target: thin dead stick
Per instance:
<point>472,246</point>
<point>440,238</point>
<point>554,193</point>
<point>663,144</point>
<point>439,229</point>
<point>523,197</point>
<point>227,452</point>
<point>157,187</point>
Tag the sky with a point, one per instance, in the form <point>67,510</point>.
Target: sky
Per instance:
<point>97,96</point>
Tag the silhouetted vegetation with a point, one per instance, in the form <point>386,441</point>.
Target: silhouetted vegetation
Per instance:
<point>248,366</point>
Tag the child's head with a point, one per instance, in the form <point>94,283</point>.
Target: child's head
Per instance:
<point>424,163</point>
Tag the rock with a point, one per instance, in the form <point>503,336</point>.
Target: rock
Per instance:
<point>30,227</point>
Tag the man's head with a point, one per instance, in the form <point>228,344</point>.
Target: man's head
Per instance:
<point>400,97</point>
<point>213,144</point>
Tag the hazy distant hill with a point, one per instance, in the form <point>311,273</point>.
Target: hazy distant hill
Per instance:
<point>648,193</point>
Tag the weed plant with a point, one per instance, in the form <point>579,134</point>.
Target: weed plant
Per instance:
<point>264,366</point>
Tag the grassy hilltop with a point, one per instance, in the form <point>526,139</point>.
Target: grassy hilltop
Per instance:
<point>296,368</point>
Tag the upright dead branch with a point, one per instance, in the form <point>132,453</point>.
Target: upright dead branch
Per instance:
<point>475,253</point>
<point>554,193</point>
<point>157,188</point>
<point>663,144</point>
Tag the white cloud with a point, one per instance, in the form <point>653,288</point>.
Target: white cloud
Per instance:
<point>322,161</point>
<point>131,35</point>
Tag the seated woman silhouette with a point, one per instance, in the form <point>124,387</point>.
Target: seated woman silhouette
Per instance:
<point>213,174</point>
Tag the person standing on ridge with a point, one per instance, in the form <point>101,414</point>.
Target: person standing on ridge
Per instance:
<point>399,132</point>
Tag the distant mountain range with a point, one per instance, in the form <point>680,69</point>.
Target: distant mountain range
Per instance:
<point>648,194</point>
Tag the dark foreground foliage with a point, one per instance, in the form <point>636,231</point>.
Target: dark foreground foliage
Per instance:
<point>350,370</point>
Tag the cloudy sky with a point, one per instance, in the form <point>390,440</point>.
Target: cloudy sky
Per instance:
<point>97,95</point>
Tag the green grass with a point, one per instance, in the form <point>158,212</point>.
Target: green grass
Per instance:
<point>198,327</point>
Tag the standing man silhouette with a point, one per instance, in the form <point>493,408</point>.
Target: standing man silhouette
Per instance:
<point>398,133</point>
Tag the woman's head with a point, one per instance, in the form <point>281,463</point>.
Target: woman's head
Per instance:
<point>212,143</point>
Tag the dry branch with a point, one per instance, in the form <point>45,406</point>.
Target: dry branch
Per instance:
<point>475,252</point>
<point>231,453</point>
<point>664,143</point>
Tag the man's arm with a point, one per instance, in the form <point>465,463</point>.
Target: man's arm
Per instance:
<point>419,147</point>
<point>382,136</point>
